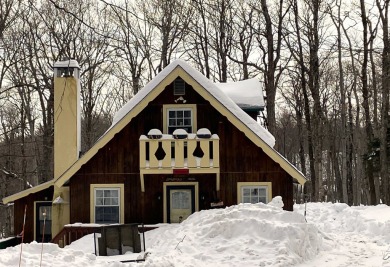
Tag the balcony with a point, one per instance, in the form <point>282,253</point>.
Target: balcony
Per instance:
<point>179,153</point>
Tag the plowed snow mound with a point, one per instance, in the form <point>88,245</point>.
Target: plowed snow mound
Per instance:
<point>256,234</point>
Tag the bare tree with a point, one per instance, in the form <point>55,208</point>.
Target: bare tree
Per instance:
<point>347,193</point>
<point>197,44</point>
<point>298,54</point>
<point>272,54</point>
<point>132,43</point>
<point>8,14</point>
<point>365,104</point>
<point>384,131</point>
<point>170,20</point>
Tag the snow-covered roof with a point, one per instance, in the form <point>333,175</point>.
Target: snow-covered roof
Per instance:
<point>255,132</point>
<point>213,89</point>
<point>71,63</point>
<point>247,94</point>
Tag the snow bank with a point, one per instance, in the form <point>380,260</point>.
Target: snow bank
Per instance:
<point>241,235</point>
<point>246,234</point>
<point>371,221</point>
<point>52,256</point>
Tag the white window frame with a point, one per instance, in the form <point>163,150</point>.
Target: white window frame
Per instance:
<point>96,187</point>
<point>179,107</point>
<point>181,118</point>
<point>252,185</point>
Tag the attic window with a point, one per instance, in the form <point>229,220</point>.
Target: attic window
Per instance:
<point>180,118</point>
<point>179,87</point>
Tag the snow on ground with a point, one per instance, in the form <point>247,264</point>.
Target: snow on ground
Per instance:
<point>353,236</point>
<point>243,235</point>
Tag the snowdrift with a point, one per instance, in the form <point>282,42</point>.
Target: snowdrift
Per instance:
<point>245,234</point>
<point>371,221</point>
<point>241,235</point>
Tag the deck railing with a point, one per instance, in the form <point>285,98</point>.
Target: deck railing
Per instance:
<point>68,234</point>
<point>168,152</point>
<point>71,233</point>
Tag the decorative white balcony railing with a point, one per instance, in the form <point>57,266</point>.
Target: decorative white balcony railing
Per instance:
<point>179,153</point>
<point>185,151</point>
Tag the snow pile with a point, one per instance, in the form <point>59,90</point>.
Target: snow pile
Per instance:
<point>372,221</point>
<point>52,256</point>
<point>246,234</point>
<point>243,235</point>
<point>254,234</point>
<point>353,236</point>
<point>277,202</point>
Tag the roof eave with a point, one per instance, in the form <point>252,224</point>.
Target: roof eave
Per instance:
<point>27,192</point>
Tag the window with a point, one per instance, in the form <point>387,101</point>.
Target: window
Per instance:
<point>179,87</point>
<point>180,118</point>
<point>254,192</point>
<point>107,203</point>
<point>181,199</point>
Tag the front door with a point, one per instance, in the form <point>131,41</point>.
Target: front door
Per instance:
<point>43,221</point>
<point>180,202</point>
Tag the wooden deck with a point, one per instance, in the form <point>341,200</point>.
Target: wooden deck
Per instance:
<point>72,233</point>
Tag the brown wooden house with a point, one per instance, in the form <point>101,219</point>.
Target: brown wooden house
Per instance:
<point>179,146</point>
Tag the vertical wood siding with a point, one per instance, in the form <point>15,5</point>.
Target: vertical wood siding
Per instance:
<point>44,195</point>
<point>118,162</point>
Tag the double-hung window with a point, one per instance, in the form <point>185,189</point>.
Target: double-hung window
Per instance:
<point>107,205</point>
<point>180,118</point>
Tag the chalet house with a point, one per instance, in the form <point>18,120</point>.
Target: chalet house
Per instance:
<point>181,145</point>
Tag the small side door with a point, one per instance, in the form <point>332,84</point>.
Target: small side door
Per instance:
<point>43,221</point>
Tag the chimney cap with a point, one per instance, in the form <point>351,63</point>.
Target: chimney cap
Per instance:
<point>70,63</point>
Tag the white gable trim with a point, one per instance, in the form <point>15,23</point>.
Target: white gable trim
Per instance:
<point>27,192</point>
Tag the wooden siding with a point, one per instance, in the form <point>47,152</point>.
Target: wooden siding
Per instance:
<point>44,195</point>
<point>118,162</point>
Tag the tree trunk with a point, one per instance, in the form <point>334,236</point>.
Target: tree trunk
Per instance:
<point>302,70</point>
<point>385,100</point>
<point>366,107</point>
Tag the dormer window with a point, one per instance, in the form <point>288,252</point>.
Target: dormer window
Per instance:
<point>179,86</point>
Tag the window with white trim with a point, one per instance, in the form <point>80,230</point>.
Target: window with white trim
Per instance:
<point>180,118</point>
<point>254,194</point>
<point>107,205</point>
